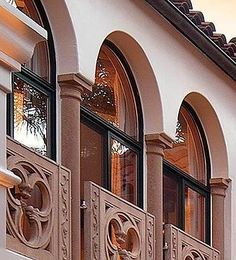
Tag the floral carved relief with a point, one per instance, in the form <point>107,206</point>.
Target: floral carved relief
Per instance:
<point>29,211</point>
<point>64,213</point>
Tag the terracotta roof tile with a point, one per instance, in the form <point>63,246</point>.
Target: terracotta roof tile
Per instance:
<point>197,17</point>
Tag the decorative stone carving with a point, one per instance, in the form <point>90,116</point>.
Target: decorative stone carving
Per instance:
<point>114,228</point>
<point>38,209</point>
<point>182,246</point>
<point>29,211</point>
<point>64,204</point>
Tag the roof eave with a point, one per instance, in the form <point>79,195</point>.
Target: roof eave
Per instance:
<point>195,35</point>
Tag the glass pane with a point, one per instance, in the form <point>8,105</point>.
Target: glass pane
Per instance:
<point>171,200</point>
<point>188,152</point>
<point>123,171</point>
<point>194,213</point>
<point>39,63</point>
<point>112,97</point>
<point>30,116</point>
<point>91,155</point>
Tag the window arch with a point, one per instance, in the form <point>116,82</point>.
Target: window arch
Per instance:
<point>186,177</point>
<point>111,128</point>
<point>31,106</point>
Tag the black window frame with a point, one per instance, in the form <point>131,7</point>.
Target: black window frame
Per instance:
<point>109,132</point>
<point>186,180</point>
<point>41,85</point>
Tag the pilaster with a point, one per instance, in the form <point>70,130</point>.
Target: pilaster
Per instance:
<point>155,144</point>
<point>218,192</point>
<point>72,86</point>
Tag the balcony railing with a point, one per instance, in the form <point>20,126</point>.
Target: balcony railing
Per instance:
<point>115,229</point>
<point>38,210</point>
<point>181,246</point>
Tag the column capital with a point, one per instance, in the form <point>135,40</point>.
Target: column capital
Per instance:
<point>156,143</point>
<point>73,84</point>
<point>219,186</point>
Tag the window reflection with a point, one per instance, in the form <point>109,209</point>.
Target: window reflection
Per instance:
<point>194,213</point>
<point>188,153</point>
<point>171,200</point>
<point>30,116</point>
<point>112,97</point>
<point>123,171</point>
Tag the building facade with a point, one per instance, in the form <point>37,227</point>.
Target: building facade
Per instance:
<point>117,134</point>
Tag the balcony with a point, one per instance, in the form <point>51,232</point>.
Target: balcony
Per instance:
<point>38,210</point>
<point>115,229</point>
<point>181,246</point>
<point>39,214</point>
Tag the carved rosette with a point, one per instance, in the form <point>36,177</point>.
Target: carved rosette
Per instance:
<point>122,235</point>
<point>29,209</point>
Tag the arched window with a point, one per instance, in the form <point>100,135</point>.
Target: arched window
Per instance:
<point>31,106</point>
<point>186,178</point>
<point>111,128</point>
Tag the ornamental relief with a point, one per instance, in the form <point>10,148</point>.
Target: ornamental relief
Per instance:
<point>29,209</point>
<point>123,240</point>
<point>114,229</point>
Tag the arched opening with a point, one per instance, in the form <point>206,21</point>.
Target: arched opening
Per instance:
<point>31,106</point>
<point>186,177</point>
<point>111,128</point>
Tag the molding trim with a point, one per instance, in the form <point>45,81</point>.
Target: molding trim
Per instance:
<point>8,179</point>
<point>72,85</point>
<point>219,186</point>
<point>161,139</point>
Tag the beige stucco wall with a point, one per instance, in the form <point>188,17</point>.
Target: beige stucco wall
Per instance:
<point>167,67</point>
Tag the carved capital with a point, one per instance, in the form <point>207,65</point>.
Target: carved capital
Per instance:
<point>156,143</point>
<point>219,186</point>
<point>72,85</point>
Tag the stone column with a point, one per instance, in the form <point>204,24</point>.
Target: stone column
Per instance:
<point>72,85</point>
<point>156,143</point>
<point>218,192</point>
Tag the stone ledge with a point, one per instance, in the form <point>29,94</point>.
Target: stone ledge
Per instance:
<point>8,179</point>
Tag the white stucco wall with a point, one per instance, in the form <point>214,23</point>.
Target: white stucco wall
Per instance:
<point>167,67</point>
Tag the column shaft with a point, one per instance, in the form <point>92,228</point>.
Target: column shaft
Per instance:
<point>71,89</point>
<point>218,189</point>
<point>156,143</point>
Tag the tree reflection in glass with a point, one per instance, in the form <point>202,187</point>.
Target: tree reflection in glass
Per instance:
<point>30,116</point>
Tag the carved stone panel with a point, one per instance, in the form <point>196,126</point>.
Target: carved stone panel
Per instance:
<point>115,229</point>
<point>38,209</point>
<point>181,246</point>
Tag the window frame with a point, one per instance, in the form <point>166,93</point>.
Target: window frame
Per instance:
<point>41,85</point>
<point>109,132</point>
<point>186,180</point>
